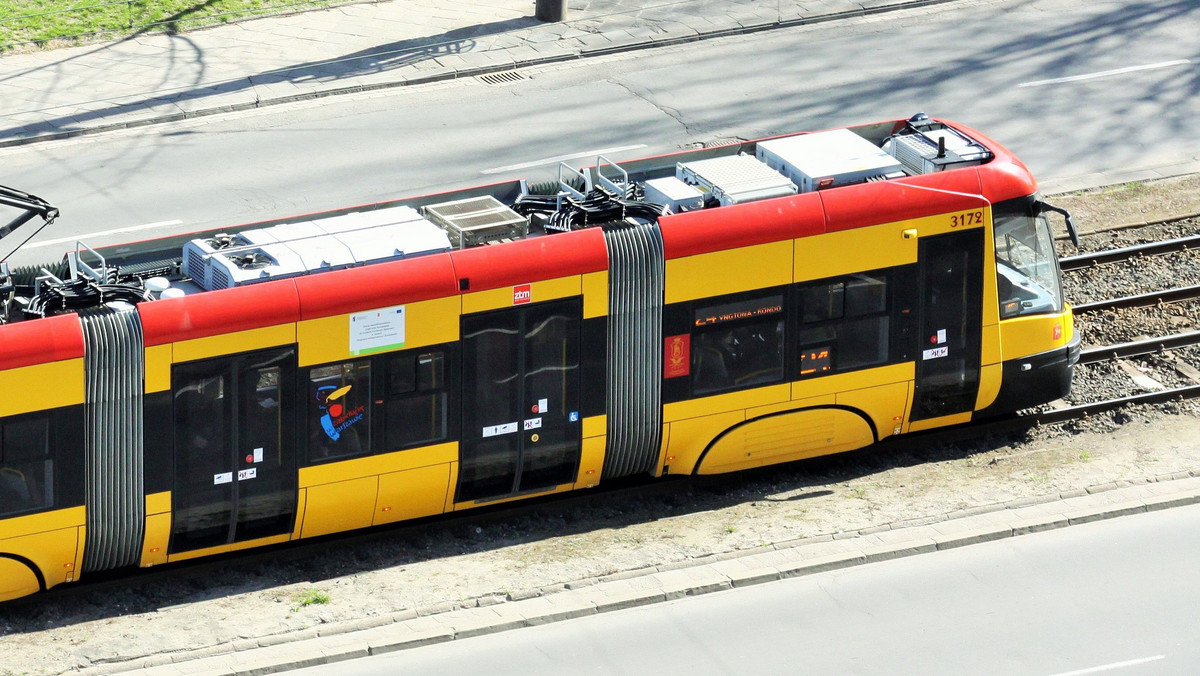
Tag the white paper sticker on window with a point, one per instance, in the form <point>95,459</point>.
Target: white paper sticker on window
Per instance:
<point>941,336</point>
<point>497,430</point>
<point>377,330</point>
<point>935,353</point>
<point>258,455</point>
<point>533,423</point>
<point>543,406</point>
<point>223,478</point>
<point>247,473</point>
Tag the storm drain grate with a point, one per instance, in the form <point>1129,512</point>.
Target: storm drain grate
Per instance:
<point>506,77</point>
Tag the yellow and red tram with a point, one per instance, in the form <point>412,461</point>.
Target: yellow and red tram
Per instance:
<point>696,313</point>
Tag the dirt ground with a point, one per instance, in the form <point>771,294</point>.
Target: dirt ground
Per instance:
<point>436,566</point>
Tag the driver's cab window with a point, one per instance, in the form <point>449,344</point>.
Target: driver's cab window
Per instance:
<point>1027,276</point>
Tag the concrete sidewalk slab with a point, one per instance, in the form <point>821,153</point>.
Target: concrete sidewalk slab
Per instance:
<point>646,586</point>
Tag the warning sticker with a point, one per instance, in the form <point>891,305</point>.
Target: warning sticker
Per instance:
<point>497,430</point>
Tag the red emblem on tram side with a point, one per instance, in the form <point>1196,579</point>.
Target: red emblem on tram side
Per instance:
<point>522,294</point>
<point>677,356</point>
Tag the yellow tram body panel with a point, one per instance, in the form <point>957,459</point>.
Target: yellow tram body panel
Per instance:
<point>874,247</point>
<point>42,387</point>
<point>688,438</point>
<point>158,529</point>
<point>591,462</point>
<point>412,493</point>
<point>990,377</point>
<point>51,541</point>
<point>786,436</point>
<point>158,368</point>
<point>884,406</point>
<point>1027,336</point>
<point>232,343</point>
<point>16,579</point>
<point>376,489</point>
<point>724,272</point>
<point>504,298</point>
<point>594,286</point>
<point>876,399</point>
<point>427,322</point>
<point>729,401</point>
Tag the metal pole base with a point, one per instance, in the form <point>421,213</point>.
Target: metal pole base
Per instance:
<point>550,10</point>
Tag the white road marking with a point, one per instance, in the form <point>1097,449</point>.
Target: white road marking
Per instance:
<point>561,158</point>
<point>1106,73</point>
<point>117,231</point>
<point>1114,665</point>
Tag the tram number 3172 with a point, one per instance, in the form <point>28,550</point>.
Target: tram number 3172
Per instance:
<point>966,219</point>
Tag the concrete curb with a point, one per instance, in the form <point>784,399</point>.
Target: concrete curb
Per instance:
<point>499,64</point>
<point>645,586</point>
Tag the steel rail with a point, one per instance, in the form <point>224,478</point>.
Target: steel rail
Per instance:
<point>1014,422</point>
<point>1084,410</point>
<point>1141,300</point>
<point>1136,348</point>
<point>1071,263</point>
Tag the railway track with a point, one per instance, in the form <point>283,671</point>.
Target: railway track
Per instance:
<point>1149,298</point>
<point>1108,256</point>
<point>1140,365</point>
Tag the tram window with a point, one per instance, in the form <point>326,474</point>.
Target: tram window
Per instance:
<point>339,417</point>
<point>26,467</point>
<point>737,344</point>
<point>866,294</point>
<point>416,410</point>
<point>819,302</point>
<point>1027,274</point>
<point>844,324</point>
<point>864,342</point>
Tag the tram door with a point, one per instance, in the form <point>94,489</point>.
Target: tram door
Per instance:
<point>521,425</point>
<point>948,353</point>
<point>235,470</point>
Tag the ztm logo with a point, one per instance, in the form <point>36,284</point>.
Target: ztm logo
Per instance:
<point>522,294</point>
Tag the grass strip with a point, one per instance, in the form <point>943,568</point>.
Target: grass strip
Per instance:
<point>53,23</point>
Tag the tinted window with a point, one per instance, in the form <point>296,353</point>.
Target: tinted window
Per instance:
<point>416,410</point>
<point>845,324</point>
<point>737,344</point>
<point>26,467</point>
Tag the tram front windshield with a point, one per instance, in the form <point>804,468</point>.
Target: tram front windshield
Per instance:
<point>1027,273</point>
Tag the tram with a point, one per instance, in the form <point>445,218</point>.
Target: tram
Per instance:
<point>694,313</point>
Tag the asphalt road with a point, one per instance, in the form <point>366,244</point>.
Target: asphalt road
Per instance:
<point>1075,88</point>
<point>1116,597</point>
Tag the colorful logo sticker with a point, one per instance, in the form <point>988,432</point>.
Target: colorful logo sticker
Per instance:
<point>337,418</point>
